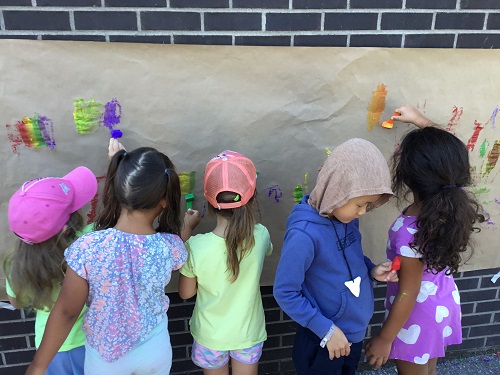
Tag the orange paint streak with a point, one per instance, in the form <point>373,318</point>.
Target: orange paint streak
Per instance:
<point>455,118</point>
<point>376,106</point>
<point>473,139</point>
<point>492,158</point>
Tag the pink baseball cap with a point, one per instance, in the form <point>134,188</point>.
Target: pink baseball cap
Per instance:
<point>230,171</point>
<point>41,208</point>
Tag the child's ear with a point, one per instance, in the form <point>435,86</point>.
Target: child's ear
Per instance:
<point>163,203</point>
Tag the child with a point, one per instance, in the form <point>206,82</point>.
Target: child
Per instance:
<point>43,213</point>
<point>430,236</point>
<point>120,271</point>
<point>224,269</point>
<point>323,280</point>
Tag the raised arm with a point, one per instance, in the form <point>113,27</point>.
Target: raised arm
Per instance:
<point>412,115</point>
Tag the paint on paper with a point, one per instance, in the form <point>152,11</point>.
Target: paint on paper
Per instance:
<point>87,115</point>
<point>455,118</point>
<point>376,106</point>
<point>34,132</point>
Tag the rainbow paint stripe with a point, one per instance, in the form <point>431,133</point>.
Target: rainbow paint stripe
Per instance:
<point>36,132</point>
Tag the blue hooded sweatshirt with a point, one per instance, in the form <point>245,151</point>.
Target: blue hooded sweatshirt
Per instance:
<point>309,284</point>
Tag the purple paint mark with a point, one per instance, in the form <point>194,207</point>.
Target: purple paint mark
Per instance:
<point>278,194</point>
<point>493,117</point>
<point>204,210</point>
<point>112,114</point>
<point>496,200</point>
<point>47,130</point>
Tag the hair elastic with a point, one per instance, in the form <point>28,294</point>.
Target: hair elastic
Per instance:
<point>449,186</point>
<point>124,153</point>
<point>166,171</point>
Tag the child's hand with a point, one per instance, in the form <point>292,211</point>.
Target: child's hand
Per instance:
<point>413,116</point>
<point>192,219</point>
<point>382,272</point>
<point>338,346</point>
<point>378,350</point>
<point>114,147</point>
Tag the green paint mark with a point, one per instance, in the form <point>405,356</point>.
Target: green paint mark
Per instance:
<point>482,190</point>
<point>298,193</point>
<point>87,115</point>
<point>482,149</point>
<point>187,181</point>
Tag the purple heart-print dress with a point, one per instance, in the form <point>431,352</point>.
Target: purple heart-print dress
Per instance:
<point>435,320</point>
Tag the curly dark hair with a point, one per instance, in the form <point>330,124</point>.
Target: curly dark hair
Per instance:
<point>434,165</point>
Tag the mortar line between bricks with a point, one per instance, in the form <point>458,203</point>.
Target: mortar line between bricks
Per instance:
<point>138,20</point>
<point>242,10</point>
<point>72,20</point>
<point>433,22</point>
<point>459,5</point>
<point>322,22</point>
<point>2,23</point>
<point>403,5</point>
<point>263,22</point>
<point>486,21</point>
<point>253,33</point>
<point>3,359</point>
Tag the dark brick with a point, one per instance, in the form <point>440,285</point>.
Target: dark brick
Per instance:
<point>489,330</point>
<point>19,356</point>
<point>467,308</point>
<point>68,3</point>
<point>319,4</point>
<point>379,304</point>
<point>157,39</point>
<point>376,4</point>
<point>203,39</point>
<point>409,21</point>
<point>199,3</point>
<point>351,21</point>
<point>17,328</point>
<point>233,21</point>
<point>376,40</point>
<point>476,319</point>
<point>16,370</point>
<point>465,284</point>
<point>496,318</point>
<point>478,295</point>
<point>277,328</point>
<point>105,21</point>
<point>6,314</point>
<point>10,36</point>
<point>175,326</point>
<point>493,21</point>
<point>489,306</point>
<point>467,21</point>
<point>179,352</point>
<point>266,290</point>
<point>268,368</point>
<point>469,344</point>
<point>80,38</point>
<point>493,341</point>
<point>176,299</point>
<point>170,21</point>
<point>465,332</point>
<point>380,290</point>
<point>320,41</point>
<point>16,3</point>
<point>276,353</point>
<point>431,4</point>
<point>487,272</point>
<point>293,21</point>
<point>429,41</point>
<point>377,318</point>
<point>181,339</point>
<point>480,4</point>
<point>268,301</point>
<point>287,365</point>
<point>13,343</point>
<point>29,20</point>
<point>183,311</point>
<point>264,4</point>
<point>32,340</point>
<point>287,340</point>
<point>272,315</point>
<point>136,3</point>
<point>183,365</point>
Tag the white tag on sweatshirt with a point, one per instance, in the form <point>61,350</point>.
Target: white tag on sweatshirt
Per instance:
<point>353,286</point>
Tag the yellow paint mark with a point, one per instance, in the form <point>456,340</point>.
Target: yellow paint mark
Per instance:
<point>404,294</point>
<point>187,181</point>
<point>328,152</point>
<point>376,106</point>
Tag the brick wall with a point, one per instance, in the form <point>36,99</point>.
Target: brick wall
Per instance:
<point>343,23</point>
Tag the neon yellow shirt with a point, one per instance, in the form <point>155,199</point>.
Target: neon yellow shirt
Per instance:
<point>227,316</point>
<point>76,336</point>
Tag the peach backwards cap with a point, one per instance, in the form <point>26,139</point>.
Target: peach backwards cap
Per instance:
<point>41,208</point>
<point>233,172</point>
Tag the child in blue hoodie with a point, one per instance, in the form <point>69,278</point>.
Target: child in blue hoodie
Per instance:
<point>323,280</point>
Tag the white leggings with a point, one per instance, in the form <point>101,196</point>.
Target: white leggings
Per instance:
<point>152,357</point>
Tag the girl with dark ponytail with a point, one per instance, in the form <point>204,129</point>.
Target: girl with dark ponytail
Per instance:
<point>431,237</point>
<point>120,270</point>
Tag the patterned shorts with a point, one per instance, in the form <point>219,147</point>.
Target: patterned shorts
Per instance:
<point>213,359</point>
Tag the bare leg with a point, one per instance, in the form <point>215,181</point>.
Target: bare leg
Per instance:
<point>224,370</point>
<point>432,366</point>
<point>240,368</point>
<point>409,368</point>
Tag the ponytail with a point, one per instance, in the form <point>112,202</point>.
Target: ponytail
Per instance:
<point>169,219</point>
<point>111,208</point>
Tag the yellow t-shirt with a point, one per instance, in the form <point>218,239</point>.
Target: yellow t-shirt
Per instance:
<point>76,336</point>
<point>227,316</point>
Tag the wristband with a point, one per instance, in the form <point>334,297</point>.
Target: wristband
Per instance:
<point>328,336</point>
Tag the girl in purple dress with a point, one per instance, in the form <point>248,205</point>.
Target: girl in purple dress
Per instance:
<point>430,236</point>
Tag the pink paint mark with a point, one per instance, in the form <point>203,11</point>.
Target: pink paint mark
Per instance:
<point>455,118</point>
<point>473,139</point>
<point>93,203</point>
